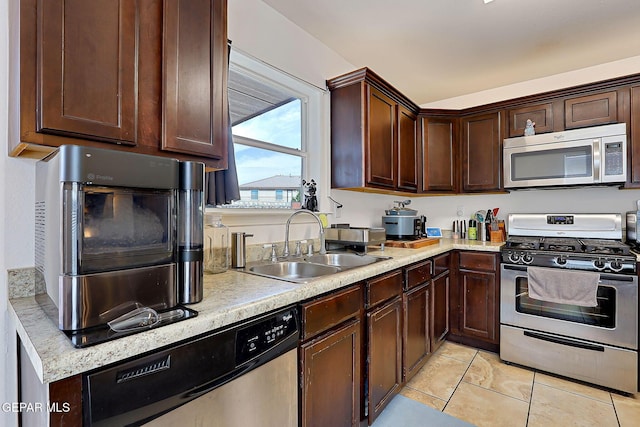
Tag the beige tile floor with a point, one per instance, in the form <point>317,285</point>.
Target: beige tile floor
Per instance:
<point>475,386</point>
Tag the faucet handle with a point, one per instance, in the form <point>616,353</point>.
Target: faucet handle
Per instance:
<point>310,249</point>
<point>274,255</point>
<point>298,251</point>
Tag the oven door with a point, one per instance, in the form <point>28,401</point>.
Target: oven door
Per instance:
<point>614,321</point>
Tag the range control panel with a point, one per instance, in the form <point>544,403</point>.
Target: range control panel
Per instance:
<point>265,334</point>
<point>560,219</point>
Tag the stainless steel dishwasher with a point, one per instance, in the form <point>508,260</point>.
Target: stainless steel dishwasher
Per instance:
<point>244,375</point>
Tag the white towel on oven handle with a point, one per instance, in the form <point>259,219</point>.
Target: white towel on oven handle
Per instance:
<point>573,287</point>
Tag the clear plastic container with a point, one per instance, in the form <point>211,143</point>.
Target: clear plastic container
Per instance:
<point>216,245</point>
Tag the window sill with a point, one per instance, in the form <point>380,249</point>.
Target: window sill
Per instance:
<point>244,216</point>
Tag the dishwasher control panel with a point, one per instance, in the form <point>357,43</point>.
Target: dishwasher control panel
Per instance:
<point>266,334</point>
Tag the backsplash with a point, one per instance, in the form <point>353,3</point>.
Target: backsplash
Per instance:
<point>21,282</point>
<point>366,210</point>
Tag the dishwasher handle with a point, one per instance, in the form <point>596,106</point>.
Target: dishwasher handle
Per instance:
<point>220,381</point>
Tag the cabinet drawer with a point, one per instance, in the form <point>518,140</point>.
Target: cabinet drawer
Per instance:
<point>417,274</point>
<point>329,311</point>
<point>384,288</point>
<point>441,263</point>
<point>478,261</point>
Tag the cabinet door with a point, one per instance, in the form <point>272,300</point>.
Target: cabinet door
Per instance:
<point>541,115</point>
<point>481,153</point>
<point>384,330</point>
<point>634,139</point>
<point>381,142</point>
<point>86,69</point>
<point>195,61</point>
<point>439,310</point>
<point>330,369</point>
<point>591,110</point>
<point>439,151</point>
<point>408,150</point>
<point>416,340</point>
<point>478,305</point>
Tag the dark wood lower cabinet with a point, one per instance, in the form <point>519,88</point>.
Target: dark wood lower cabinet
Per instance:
<point>475,295</point>
<point>440,288</point>
<point>330,367</point>
<point>384,376</point>
<point>416,304</point>
<point>478,304</point>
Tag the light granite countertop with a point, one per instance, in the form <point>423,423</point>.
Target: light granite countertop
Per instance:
<point>229,297</point>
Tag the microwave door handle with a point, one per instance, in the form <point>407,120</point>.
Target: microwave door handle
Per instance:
<point>596,160</point>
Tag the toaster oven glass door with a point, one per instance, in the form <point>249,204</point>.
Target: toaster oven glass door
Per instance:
<point>121,228</point>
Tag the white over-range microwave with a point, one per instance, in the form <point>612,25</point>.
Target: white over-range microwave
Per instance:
<point>595,155</point>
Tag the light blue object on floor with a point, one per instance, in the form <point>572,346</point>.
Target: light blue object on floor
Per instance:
<point>405,412</point>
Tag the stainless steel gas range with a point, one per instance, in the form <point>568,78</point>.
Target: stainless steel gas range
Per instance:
<point>569,298</point>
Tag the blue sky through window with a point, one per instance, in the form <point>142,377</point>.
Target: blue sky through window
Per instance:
<point>280,126</point>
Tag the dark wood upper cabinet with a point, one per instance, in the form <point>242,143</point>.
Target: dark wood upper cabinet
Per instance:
<point>481,152</point>
<point>591,110</point>
<point>541,115</point>
<point>374,135</point>
<point>195,113</point>
<point>148,77</point>
<point>633,139</point>
<point>380,143</point>
<point>439,151</point>
<point>408,150</point>
<point>86,62</point>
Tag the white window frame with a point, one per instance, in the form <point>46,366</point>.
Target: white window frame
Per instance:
<point>314,133</point>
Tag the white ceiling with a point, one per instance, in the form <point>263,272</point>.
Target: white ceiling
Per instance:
<point>438,49</point>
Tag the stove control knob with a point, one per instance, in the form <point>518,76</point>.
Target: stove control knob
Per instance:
<point>599,264</point>
<point>561,260</point>
<point>616,265</point>
<point>514,257</point>
<point>527,258</point>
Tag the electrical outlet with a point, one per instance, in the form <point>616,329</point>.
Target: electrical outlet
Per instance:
<point>338,211</point>
<point>460,211</point>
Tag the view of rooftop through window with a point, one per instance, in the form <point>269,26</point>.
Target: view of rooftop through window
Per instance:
<point>268,142</point>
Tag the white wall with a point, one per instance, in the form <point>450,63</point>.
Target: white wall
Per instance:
<point>16,207</point>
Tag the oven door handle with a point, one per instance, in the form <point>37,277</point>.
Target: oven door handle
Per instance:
<point>616,277</point>
<point>562,341</point>
<point>514,267</point>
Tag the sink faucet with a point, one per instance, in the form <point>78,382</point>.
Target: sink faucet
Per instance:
<point>286,236</point>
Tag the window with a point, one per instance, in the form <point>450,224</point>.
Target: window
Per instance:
<point>268,120</point>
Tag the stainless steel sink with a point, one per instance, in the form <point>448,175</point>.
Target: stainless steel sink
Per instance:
<point>343,260</point>
<point>295,271</point>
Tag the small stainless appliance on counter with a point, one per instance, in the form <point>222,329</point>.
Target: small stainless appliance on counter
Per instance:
<point>402,223</point>
<point>569,298</point>
<point>116,232</point>
<point>343,236</point>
